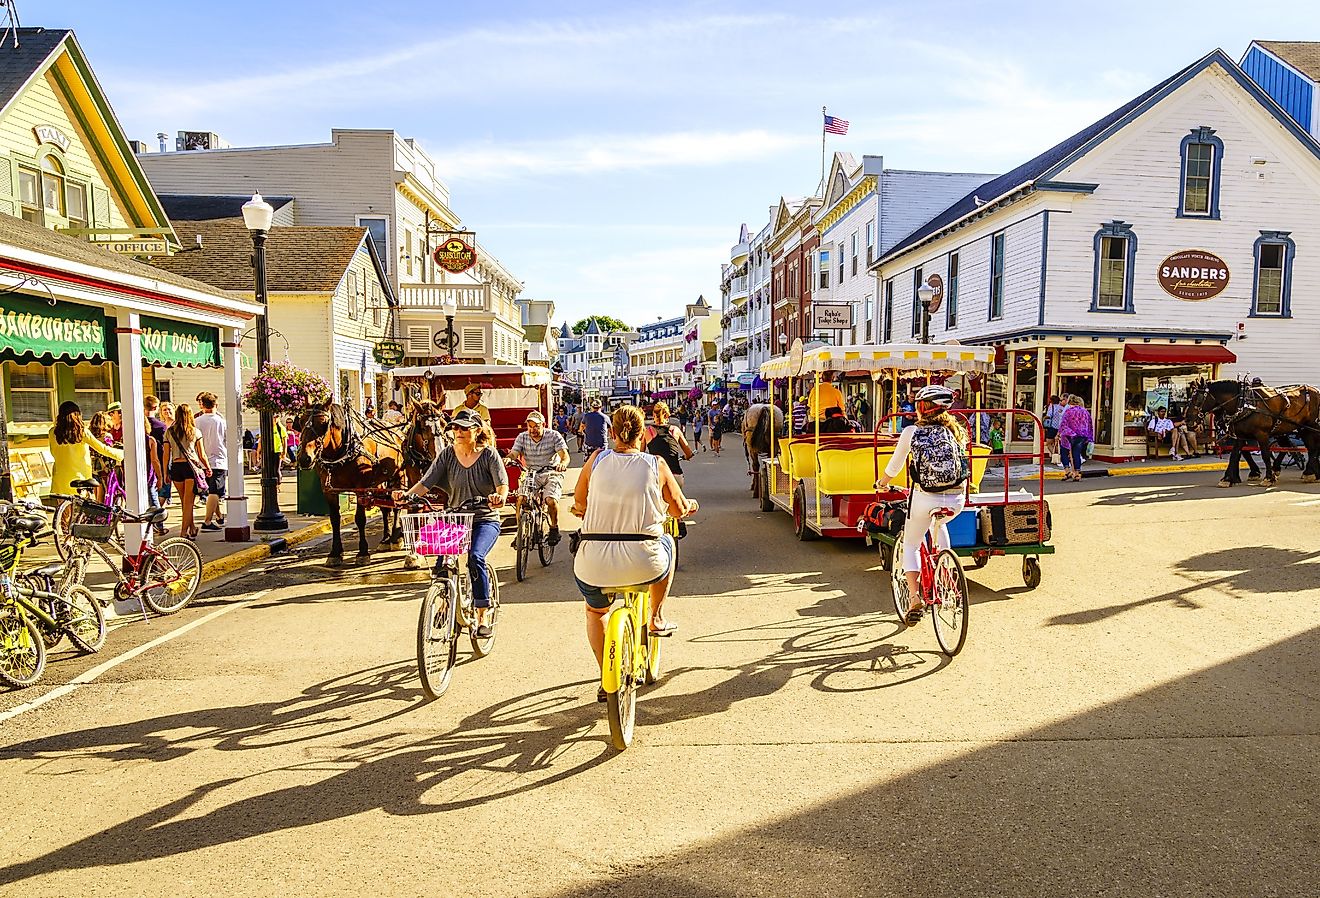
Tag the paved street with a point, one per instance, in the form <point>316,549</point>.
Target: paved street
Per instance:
<point>1145,723</point>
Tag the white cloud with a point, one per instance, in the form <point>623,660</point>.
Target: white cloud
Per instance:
<point>613,153</point>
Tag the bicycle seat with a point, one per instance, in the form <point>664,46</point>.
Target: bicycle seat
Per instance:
<point>88,484</point>
<point>153,515</point>
<point>54,569</point>
<point>944,513</point>
<point>621,590</point>
<point>27,523</point>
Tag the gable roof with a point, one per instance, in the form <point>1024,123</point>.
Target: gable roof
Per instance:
<point>208,207</point>
<point>19,64</point>
<point>304,259</point>
<point>1304,56</point>
<point>1036,172</point>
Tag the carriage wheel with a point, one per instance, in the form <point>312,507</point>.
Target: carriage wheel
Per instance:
<point>763,490</point>
<point>1031,572</point>
<point>801,529</point>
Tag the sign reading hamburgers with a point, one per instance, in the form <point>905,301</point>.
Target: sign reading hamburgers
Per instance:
<point>1193,275</point>
<point>455,255</point>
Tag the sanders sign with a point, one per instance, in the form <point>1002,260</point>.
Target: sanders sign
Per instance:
<point>1193,275</point>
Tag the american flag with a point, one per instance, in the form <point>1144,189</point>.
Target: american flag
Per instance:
<point>835,125</point>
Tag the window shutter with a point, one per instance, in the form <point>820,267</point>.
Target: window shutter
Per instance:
<point>419,340</point>
<point>100,207</point>
<point>473,341</point>
<point>7,204</point>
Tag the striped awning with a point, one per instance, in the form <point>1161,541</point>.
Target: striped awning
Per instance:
<point>878,359</point>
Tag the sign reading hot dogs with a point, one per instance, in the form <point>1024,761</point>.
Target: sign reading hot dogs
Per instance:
<point>1194,275</point>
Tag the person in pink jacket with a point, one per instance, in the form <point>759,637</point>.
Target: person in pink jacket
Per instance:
<point>1076,430</point>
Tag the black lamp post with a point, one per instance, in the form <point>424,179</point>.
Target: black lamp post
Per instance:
<point>257,215</point>
<point>926,295</point>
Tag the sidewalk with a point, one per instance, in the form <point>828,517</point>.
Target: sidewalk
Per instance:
<point>219,557</point>
<point>1124,469</point>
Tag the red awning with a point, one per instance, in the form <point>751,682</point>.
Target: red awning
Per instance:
<point>1178,354</point>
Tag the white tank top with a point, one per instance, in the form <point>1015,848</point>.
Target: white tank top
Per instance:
<point>624,497</point>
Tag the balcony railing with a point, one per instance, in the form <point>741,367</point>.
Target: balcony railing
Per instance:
<point>468,297</point>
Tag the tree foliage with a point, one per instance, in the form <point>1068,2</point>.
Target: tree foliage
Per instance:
<point>605,322</point>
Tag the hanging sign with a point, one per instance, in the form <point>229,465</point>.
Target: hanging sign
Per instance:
<point>51,134</point>
<point>1194,275</point>
<point>387,353</point>
<point>175,344</point>
<point>151,246</point>
<point>936,283</point>
<point>455,255</point>
<point>831,316</point>
<point>35,328</point>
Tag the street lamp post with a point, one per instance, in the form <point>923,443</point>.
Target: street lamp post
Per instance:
<point>926,295</point>
<point>449,309</point>
<point>257,215</point>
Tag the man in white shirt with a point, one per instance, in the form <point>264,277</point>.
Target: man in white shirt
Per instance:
<point>213,430</point>
<point>1160,428</point>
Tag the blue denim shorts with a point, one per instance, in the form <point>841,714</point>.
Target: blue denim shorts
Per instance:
<point>598,597</point>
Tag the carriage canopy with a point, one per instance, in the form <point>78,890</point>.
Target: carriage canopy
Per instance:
<point>879,359</point>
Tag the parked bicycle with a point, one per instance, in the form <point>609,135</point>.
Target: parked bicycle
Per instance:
<point>943,587</point>
<point>162,576</point>
<point>38,608</point>
<point>447,608</point>
<point>68,510</point>
<point>533,527</point>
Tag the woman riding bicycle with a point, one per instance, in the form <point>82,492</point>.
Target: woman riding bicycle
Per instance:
<point>935,446</point>
<point>470,468</point>
<point>621,496</point>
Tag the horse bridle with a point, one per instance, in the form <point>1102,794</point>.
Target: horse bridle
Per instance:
<point>348,452</point>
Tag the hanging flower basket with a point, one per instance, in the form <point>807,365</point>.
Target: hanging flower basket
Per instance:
<point>690,365</point>
<point>694,393</point>
<point>280,387</point>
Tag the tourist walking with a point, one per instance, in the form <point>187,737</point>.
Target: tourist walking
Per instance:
<point>165,413</point>
<point>698,427</point>
<point>186,465</point>
<point>1053,417</point>
<point>214,433</point>
<point>1076,432</point>
<point>72,445</point>
<point>595,428</point>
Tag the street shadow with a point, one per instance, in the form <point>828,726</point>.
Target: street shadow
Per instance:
<point>1206,788</point>
<point>1252,573</point>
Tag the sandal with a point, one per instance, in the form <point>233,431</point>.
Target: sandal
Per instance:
<point>915,615</point>
<point>665,629</point>
<point>601,695</point>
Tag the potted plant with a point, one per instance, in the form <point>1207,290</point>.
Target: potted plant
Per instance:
<point>280,388</point>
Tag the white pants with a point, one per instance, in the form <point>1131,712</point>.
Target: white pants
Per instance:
<point>918,522</point>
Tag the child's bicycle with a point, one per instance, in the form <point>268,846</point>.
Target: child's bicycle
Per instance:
<point>943,586</point>
<point>447,607</point>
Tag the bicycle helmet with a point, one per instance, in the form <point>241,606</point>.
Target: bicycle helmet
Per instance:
<point>936,395</point>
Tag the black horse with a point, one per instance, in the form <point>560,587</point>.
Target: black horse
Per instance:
<point>1251,413</point>
<point>349,462</point>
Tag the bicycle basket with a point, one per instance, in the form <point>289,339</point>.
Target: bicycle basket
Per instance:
<point>89,512</point>
<point>436,533</point>
<point>100,533</point>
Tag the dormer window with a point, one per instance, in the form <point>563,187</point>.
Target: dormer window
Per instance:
<point>1198,187</point>
<point>52,185</point>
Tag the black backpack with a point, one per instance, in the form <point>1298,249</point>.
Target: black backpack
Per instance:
<point>938,463</point>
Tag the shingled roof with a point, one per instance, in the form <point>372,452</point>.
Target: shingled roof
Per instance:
<point>209,207</point>
<point>1304,56</point>
<point>24,235</point>
<point>18,65</point>
<point>298,259</point>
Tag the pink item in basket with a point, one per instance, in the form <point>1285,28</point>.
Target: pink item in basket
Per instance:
<point>441,538</point>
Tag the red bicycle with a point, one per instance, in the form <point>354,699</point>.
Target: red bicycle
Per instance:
<point>943,586</point>
<point>163,576</point>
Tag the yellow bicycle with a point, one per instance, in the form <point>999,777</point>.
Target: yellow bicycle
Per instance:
<point>671,527</point>
<point>632,658</point>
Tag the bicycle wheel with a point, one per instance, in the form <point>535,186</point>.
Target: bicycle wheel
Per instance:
<point>544,548</point>
<point>898,579</point>
<point>60,522</point>
<point>621,705</point>
<point>177,564</point>
<point>22,652</point>
<point>483,647</point>
<point>437,642</point>
<point>86,620</point>
<point>950,611</point>
<point>524,548</point>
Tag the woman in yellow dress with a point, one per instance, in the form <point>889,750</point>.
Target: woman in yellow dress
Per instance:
<point>71,445</point>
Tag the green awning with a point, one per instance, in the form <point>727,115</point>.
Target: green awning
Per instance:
<point>32,329</point>
<point>175,344</point>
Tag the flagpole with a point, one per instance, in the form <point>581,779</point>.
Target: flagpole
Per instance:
<point>823,113</point>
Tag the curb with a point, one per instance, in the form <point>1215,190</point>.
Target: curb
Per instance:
<point>219,567</point>
<point>1137,472</point>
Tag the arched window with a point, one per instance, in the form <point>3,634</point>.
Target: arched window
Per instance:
<point>1198,183</point>
<point>52,185</point>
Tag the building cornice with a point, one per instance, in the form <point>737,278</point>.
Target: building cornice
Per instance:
<point>851,200</point>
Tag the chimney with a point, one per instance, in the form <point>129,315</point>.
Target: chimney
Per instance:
<point>162,137</point>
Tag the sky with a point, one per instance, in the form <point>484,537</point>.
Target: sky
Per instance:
<point>608,152</point>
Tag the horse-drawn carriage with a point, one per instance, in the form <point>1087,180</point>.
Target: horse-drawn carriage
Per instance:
<point>826,481</point>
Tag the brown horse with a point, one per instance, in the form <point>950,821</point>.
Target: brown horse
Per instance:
<point>759,425</point>
<point>423,437</point>
<point>1260,414</point>
<point>349,462</point>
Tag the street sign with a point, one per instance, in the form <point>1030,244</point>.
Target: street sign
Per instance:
<point>150,246</point>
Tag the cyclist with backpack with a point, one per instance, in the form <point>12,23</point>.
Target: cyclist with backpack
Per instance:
<point>935,452</point>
